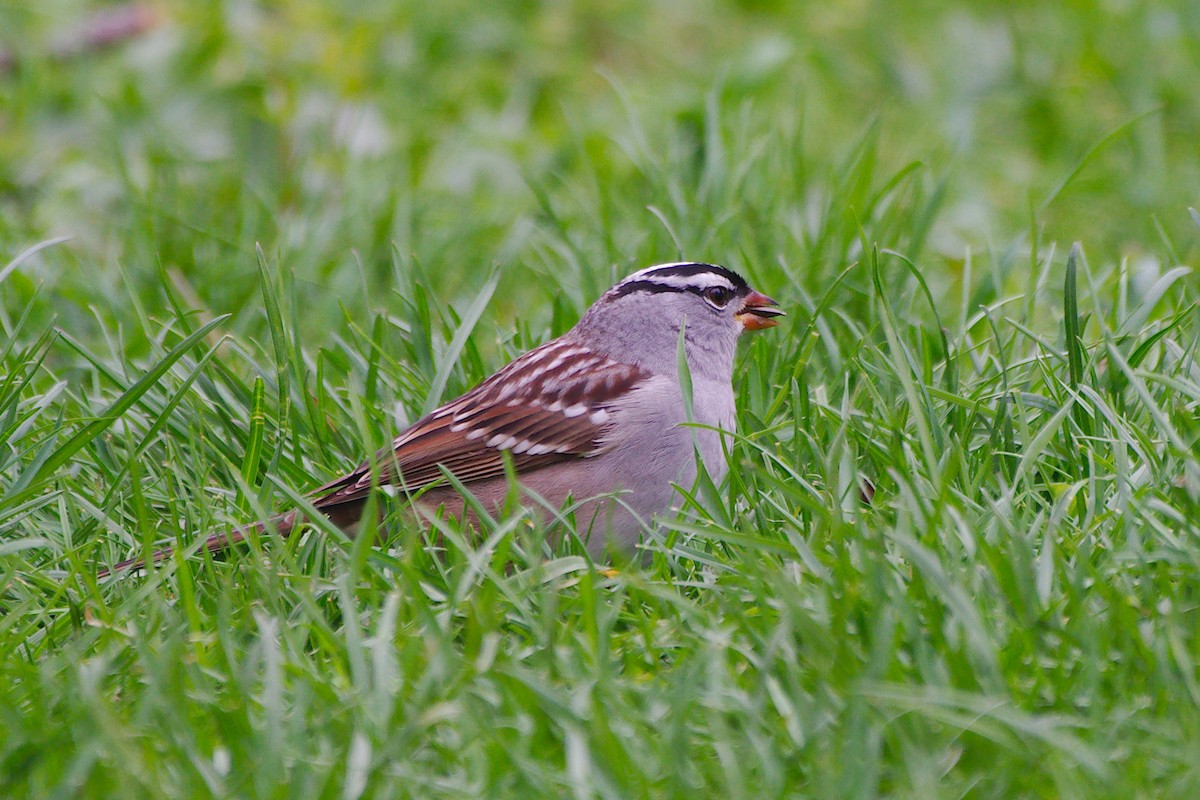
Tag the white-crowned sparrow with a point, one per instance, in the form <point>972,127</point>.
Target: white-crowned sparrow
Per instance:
<point>596,416</point>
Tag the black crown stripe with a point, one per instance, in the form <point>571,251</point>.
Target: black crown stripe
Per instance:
<point>646,282</point>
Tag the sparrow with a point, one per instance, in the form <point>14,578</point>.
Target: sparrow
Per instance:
<point>597,417</point>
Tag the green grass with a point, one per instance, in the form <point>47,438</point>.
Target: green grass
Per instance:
<point>958,554</point>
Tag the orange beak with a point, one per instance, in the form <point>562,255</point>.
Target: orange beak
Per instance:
<point>758,312</point>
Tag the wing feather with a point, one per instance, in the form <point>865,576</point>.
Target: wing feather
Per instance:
<point>550,405</point>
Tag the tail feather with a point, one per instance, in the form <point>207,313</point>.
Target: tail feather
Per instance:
<point>282,525</point>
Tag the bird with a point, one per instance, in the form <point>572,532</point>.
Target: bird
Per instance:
<point>598,417</point>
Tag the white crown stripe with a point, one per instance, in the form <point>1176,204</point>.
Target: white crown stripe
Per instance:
<point>703,280</point>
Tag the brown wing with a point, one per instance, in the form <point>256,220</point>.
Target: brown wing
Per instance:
<point>550,405</point>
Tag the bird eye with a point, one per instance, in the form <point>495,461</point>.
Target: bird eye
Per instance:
<point>719,296</point>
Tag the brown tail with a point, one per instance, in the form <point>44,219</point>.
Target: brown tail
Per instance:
<point>216,543</point>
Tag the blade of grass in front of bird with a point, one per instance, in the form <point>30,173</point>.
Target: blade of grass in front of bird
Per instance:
<point>254,443</point>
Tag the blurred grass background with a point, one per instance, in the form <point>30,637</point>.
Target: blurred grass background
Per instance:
<point>282,215</point>
<point>342,137</point>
